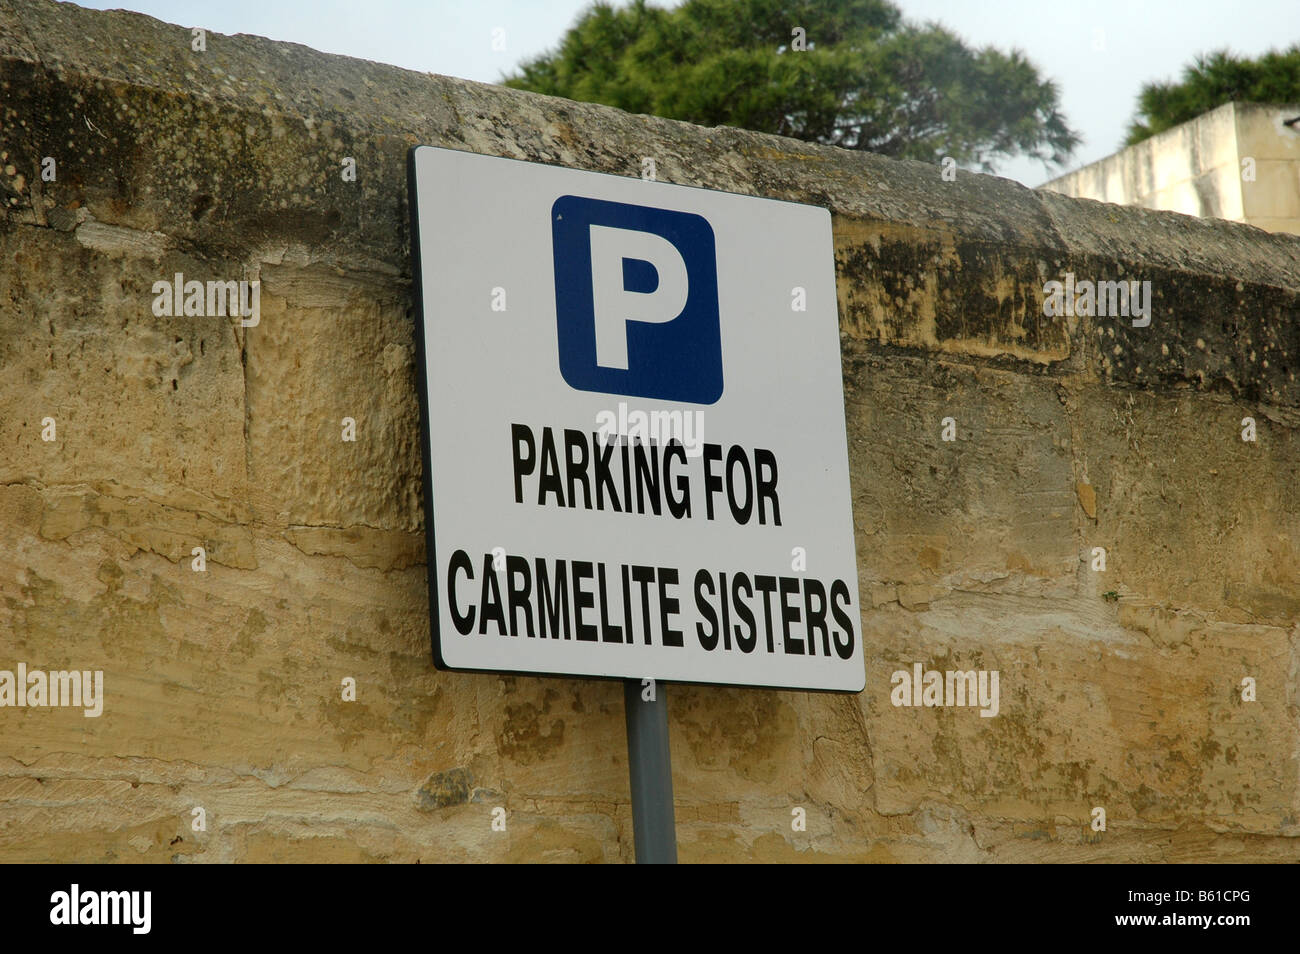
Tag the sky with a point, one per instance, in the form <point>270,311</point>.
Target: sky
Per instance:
<point>1099,52</point>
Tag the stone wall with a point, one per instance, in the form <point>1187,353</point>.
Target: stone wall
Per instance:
<point>1120,688</point>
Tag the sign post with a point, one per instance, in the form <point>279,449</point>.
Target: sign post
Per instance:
<point>649,767</point>
<point>635,454</point>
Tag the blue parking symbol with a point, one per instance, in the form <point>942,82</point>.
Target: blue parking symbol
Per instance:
<point>636,300</point>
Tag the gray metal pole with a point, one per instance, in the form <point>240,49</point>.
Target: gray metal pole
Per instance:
<point>653,828</point>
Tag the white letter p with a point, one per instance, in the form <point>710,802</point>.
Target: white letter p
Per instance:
<point>614,305</point>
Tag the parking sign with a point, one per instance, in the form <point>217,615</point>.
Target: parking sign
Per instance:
<point>635,454</point>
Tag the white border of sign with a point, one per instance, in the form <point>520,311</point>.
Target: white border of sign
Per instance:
<point>475,218</point>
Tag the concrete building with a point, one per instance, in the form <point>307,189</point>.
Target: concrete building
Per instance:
<point>1239,162</point>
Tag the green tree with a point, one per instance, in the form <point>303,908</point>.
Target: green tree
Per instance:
<point>1211,80</point>
<point>866,80</point>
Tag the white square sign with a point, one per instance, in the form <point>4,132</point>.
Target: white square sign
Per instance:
<point>635,456</point>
